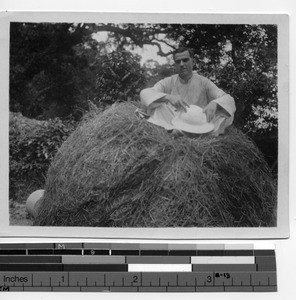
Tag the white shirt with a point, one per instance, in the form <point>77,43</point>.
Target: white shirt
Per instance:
<point>197,91</point>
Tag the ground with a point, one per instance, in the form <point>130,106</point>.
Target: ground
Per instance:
<point>19,215</point>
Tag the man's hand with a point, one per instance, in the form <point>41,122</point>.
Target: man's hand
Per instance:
<point>210,110</point>
<point>177,102</point>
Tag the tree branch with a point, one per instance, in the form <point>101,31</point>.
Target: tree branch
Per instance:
<point>160,52</point>
<point>162,41</point>
<point>136,35</point>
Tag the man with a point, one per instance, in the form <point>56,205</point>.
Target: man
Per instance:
<point>186,88</point>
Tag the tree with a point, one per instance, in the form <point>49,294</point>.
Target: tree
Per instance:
<point>137,34</point>
<point>241,59</point>
<point>119,77</point>
<point>44,69</point>
<point>57,62</point>
<point>56,68</point>
<point>156,72</point>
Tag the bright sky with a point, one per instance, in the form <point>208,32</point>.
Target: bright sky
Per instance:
<point>150,52</point>
<point>147,52</point>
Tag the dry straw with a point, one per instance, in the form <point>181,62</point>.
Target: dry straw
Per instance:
<point>117,170</point>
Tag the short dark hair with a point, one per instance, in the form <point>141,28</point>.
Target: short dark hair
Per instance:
<point>183,49</point>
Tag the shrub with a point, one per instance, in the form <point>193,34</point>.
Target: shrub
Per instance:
<point>119,77</point>
<point>32,146</point>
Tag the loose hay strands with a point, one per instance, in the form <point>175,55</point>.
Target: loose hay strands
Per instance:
<point>119,170</point>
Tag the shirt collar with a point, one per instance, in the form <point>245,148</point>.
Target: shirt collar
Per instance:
<point>185,81</point>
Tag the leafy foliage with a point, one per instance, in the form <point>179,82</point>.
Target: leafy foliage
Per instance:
<point>44,70</point>
<point>241,59</point>
<point>32,146</point>
<point>57,68</point>
<point>119,77</point>
<point>155,72</point>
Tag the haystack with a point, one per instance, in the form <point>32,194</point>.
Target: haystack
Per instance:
<point>117,170</point>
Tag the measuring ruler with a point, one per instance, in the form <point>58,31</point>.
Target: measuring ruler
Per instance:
<point>99,267</point>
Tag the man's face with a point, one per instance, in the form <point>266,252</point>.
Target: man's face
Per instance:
<point>183,65</point>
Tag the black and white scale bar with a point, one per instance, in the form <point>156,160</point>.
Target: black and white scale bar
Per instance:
<point>122,267</point>
<point>40,252</point>
<point>133,267</point>
<point>64,267</point>
<point>94,251</point>
<point>67,252</point>
<point>30,259</point>
<point>13,252</point>
<point>125,252</point>
<point>132,249</point>
<point>122,259</point>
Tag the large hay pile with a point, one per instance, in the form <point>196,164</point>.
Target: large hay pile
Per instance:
<point>119,170</point>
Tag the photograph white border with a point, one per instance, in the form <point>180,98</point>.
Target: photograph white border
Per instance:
<point>282,229</point>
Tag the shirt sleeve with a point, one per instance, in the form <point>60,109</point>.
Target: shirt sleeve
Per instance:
<point>225,101</point>
<point>159,90</point>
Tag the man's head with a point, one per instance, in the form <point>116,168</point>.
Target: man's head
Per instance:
<point>184,62</point>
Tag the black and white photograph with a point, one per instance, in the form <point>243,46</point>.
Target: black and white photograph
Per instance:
<point>118,123</point>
